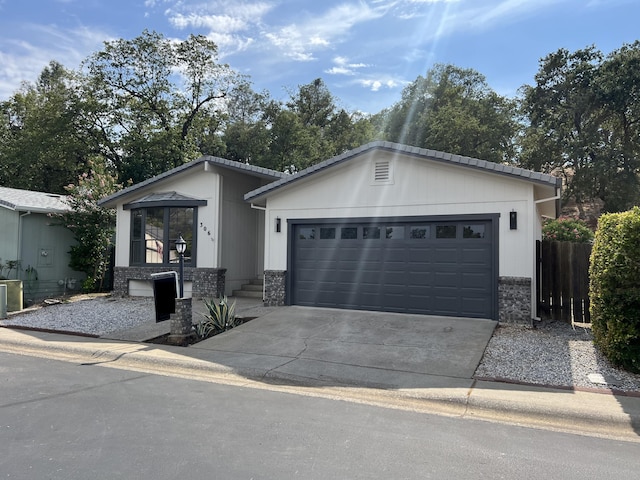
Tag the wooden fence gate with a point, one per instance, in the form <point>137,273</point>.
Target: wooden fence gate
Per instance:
<point>563,281</point>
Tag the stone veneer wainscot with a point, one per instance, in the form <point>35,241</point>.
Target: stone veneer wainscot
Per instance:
<point>206,282</point>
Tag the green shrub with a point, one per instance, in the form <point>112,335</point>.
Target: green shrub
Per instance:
<point>221,317</point>
<point>566,230</point>
<point>615,288</point>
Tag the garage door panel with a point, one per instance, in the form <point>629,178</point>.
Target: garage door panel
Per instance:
<point>395,255</point>
<point>471,307</point>
<point>405,273</point>
<point>446,305</point>
<point>446,279</point>
<point>474,256</point>
<point>475,280</point>
<point>447,256</point>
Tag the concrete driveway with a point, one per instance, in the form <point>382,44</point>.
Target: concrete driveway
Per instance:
<point>357,348</point>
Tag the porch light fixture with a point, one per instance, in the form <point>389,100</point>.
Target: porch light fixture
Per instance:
<point>278,225</point>
<point>181,247</point>
<point>513,220</point>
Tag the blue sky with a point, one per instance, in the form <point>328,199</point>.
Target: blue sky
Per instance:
<point>365,50</point>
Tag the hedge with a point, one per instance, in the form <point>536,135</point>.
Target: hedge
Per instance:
<point>614,288</point>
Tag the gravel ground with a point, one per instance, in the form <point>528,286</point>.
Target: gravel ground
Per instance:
<point>87,314</point>
<point>553,353</point>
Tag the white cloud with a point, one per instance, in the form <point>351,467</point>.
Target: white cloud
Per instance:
<point>344,67</point>
<point>376,84</point>
<point>232,25</point>
<point>307,36</point>
<point>24,60</point>
<point>217,23</point>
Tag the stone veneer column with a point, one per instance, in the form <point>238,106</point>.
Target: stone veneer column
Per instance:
<point>120,281</point>
<point>274,288</point>
<point>208,282</point>
<point>514,300</point>
<point>181,322</point>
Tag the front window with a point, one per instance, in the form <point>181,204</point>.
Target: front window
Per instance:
<point>154,232</point>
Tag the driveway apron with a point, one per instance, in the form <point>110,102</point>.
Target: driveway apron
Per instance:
<point>388,350</point>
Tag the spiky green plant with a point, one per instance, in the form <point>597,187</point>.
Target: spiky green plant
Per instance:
<point>221,317</point>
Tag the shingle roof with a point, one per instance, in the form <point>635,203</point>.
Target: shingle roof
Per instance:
<point>432,155</point>
<point>28,200</point>
<point>221,162</point>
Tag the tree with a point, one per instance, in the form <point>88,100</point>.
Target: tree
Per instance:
<point>618,90</point>
<point>454,110</point>
<point>246,136</point>
<point>290,136</point>
<point>93,227</point>
<point>155,99</point>
<point>583,115</point>
<point>41,149</point>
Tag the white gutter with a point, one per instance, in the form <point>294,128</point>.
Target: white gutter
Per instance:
<point>543,200</point>
<point>258,207</point>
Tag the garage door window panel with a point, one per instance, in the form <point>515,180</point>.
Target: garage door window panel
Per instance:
<point>421,232</point>
<point>307,233</point>
<point>371,233</point>
<point>474,231</point>
<point>327,233</point>
<point>349,233</point>
<point>395,233</point>
<point>446,231</point>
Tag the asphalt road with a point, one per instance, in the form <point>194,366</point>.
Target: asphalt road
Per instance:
<point>67,421</point>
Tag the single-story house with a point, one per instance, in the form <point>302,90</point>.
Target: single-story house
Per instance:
<point>29,235</point>
<point>382,227</point>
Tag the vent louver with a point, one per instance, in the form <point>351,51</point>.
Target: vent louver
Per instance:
<point>382,172</point>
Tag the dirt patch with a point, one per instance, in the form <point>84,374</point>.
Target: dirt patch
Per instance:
<point>193,338</point>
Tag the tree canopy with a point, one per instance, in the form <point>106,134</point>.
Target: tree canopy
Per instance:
<point>144,105</point>
<point>584,119</point>
<point>41,144</point>
<point>454,110</point>
<point>153,99</point>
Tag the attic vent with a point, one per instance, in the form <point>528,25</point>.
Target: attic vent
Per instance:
<point>382,172</point>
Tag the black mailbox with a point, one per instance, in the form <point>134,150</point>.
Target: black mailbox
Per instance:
<point>164,294</point>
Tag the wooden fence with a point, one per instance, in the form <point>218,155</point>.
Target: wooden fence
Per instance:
<point>563,281</point>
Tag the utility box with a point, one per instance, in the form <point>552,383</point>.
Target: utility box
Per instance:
<point>14,294</point>
<point>165,288</point>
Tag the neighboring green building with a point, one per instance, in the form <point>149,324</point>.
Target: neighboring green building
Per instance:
<point>30,236</point>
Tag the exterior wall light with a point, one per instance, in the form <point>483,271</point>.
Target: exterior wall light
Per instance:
<point>513,220</point>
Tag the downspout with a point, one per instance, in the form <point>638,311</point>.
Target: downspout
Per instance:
<point>28,212</point>
<point>534,306</point>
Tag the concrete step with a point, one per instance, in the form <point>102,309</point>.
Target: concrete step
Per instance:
<point>257,281</point>
<point>248,293</point>
<point>250,287</point>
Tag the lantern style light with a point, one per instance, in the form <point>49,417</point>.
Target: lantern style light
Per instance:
<point>181,247</point>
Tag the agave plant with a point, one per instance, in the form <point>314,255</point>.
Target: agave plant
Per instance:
<point>221,317</point>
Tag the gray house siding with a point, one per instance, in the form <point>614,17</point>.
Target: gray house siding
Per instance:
<point>43,251</point>
<point>242,232</point>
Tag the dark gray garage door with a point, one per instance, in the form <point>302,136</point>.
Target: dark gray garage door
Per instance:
<point>437,268</point>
